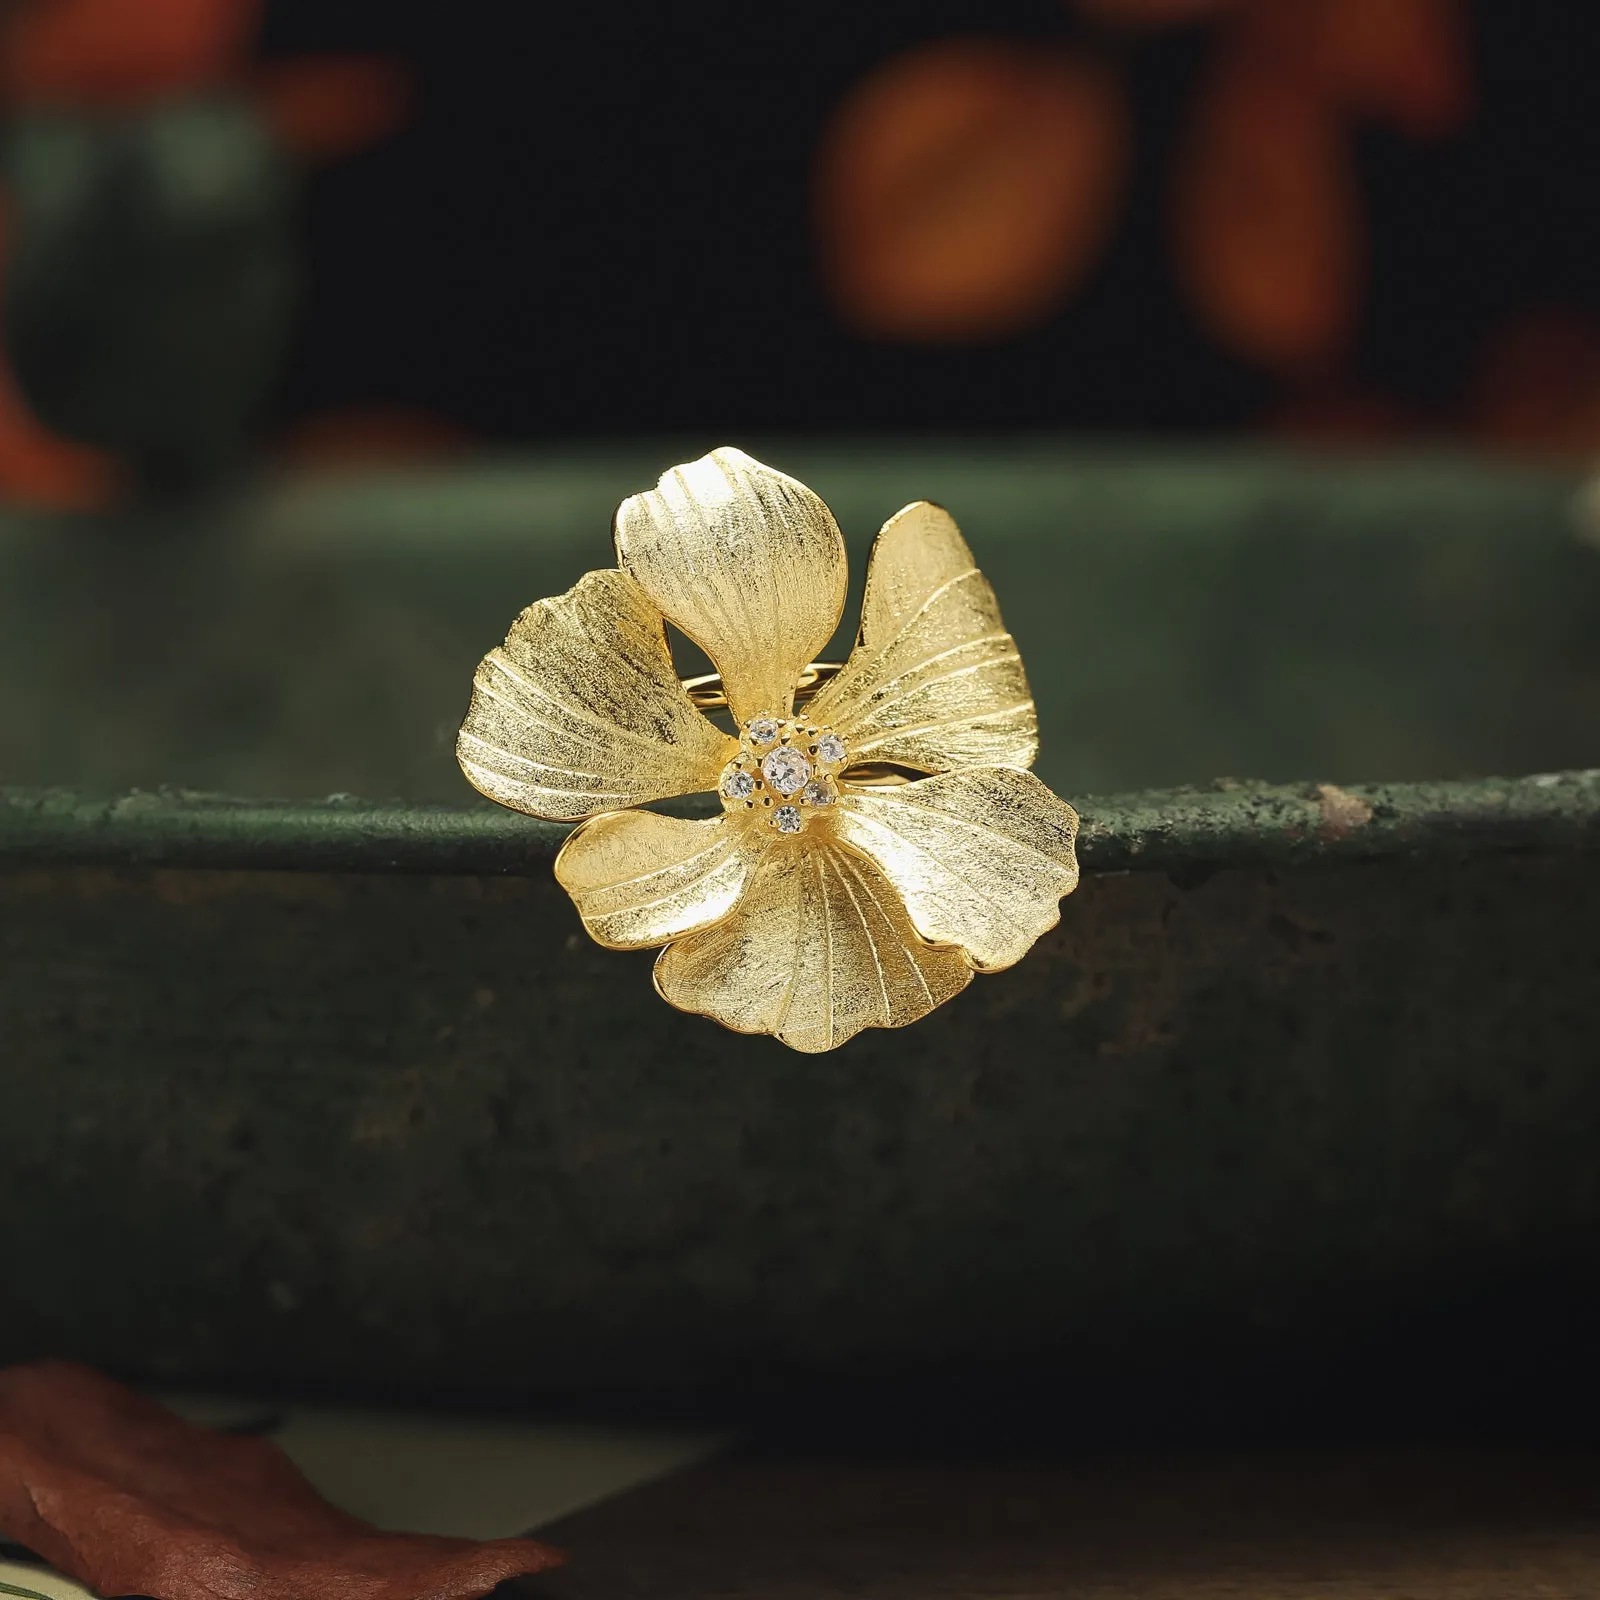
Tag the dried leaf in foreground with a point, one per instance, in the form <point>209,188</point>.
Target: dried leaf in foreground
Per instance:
<point>118,1492</point>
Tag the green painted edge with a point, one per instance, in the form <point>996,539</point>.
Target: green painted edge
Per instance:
<point>1171,830</point>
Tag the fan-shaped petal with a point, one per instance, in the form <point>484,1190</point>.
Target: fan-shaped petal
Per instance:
<point>581,711</point>
<point>935,680</point>
<point>819,949</point>
<point>747,562</point>
<point>639,879</point>
<point>980,857</point>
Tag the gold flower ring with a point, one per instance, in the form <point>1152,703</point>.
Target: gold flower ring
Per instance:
<point>881,838</point>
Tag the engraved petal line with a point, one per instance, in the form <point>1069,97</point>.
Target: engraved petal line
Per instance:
<point>772,604</point>
<point>843,868</point>
<point>916,802</point>
<point>577,713</point>
<point>744,560</point>
<point>528,761</point>
<point>980,857</point>
<point>666,530</point>
<point>932,598</point>
<point>933,856</point>
<point>723,847</point>
<point>932,653</point>
<point>880,650</point>
<point>935,727</point>
<point>730,623</point>
<point>865,885</point>
<point>614,864</point>
<point>794,961</point>
<point>580,710</point>
<point>488,773</point>
<point>875,702</point>
<point>848,706</point>
<point>820,876</point>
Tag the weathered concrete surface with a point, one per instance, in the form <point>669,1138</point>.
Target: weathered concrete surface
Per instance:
<point>1228,823</point>
<point>411,1129</point>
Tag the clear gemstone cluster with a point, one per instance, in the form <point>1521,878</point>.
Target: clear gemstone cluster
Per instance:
<point>785,768</point>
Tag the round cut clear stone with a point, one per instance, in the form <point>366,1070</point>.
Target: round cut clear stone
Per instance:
<point>786,770</point>
<point>831,748</point>
<point>787,819</point>
<point>738,785</point>
<point>817,793</point>
<point>762,730</point>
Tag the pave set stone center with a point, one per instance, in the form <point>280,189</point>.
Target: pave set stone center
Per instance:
<point>786,767</point>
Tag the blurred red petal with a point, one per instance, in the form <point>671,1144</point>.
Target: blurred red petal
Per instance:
<point>332,105</point>
<point>1268,219</point>
<point>39,468</point>
<point>964,189</point>
<point>117,51</point>
<point>1404,61</point>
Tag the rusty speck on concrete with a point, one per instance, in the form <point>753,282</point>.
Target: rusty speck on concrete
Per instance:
<point>1341,812</point>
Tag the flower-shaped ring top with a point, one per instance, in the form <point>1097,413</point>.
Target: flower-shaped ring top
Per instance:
<point>817,904</point>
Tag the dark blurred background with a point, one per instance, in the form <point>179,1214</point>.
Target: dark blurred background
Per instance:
<point>1366,220</point>
<point>777,217</point>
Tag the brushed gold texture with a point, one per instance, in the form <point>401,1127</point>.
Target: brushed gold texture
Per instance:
<point>580,710</point>
<point>819,949</point>
<point>881,840</point>
<point>935,680</point>
<point>639,879</point>
<point>980,856</point>
<point>747,562</point>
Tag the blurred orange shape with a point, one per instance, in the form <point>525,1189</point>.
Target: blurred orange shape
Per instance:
<point>118,51</point>
<point>1152,13</point>
<point>1402,60</point>
<point>1268,221</point>
<point>332,105</point>
<point>38,468</point>
<point>964,189</point>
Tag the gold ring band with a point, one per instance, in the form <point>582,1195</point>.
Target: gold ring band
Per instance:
<point>707,691</point>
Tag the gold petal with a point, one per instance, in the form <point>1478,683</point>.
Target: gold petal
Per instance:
<point>581,711</point>
<point>748,563</point>
<point>935,681</point>
<point>981,857</point>
<point>819,949</point>
<point>639,878</point>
